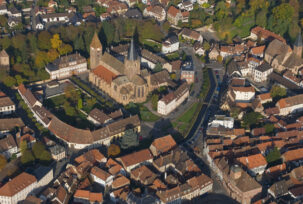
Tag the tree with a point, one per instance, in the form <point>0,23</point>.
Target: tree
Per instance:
<point>251,118</point>
<point>44,42</point>
<point>281,18</point>
<point>3,162</point>
<point>56,42</point>
<point>3,21</point>
<point>235,111</point>
<point>27,157</point>
<point>173,76</point>
<point>113,150</point>
<point>52,54</point>
<point>129,139</point>
<point>158,68</point>
<point>269,128</point>
<point>37,149</point>
<point>220,58</point>
<point>261,18</point>
<point>65,49</point>
<point>278,91</point>
<point>79,43</point>
<point>9,81</point>
<point>154,101</point>
<point>69,110</point>
<point>206,45</point>
<point>45,157</point>
<point>80,103</point>
<point>273,156</point>
<point>41,59</point>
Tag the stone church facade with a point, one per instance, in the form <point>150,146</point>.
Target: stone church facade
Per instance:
<point>124,81</point>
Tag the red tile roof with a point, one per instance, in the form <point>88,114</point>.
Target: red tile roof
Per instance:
<point>293,155</point>
<point>253,161</point>
<point>266,34</point>
<point>17,184</point>
<point>173,11</point>
<point>135,158</point>
<point>164,144</point>
<point>104,73</point>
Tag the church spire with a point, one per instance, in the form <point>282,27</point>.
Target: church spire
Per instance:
<point>96,42</point>
<point>132,52</point>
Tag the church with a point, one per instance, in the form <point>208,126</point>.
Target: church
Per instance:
<point>125,81</point>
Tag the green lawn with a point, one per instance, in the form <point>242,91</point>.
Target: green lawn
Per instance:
<point>186,120</point>
<point>142,111</point>
<point>148,116</point>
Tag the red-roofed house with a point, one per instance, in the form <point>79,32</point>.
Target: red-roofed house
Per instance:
<point>162,145</point>
<point>174,15</point>
<point>100,176</point>
<point>84,196</point>
<point>264,34</point>
<point>255,164</point>
<point>18,188</point>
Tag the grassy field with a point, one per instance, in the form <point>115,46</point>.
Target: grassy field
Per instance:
<point>142,111</point>
<point>146,115</point>
<point>185,121</point>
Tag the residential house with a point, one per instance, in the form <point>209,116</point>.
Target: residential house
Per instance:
<point>290,105</point>
<point>60,196</point>
<point>150,60</point>
<point>8,146</point>
<point>186,5</point>
<point>214,52</point>
<point>133,13</point>
<point>143,175</point>
<point>85,196</point>
<point>156,12</point>
<point>263,34</point>
<point>241,94</point>
<point>174,15</point>
<point>174,99</point>
<point>265,98</point>
<point>9,124</point>
<point>7,106</point>
<point>4,60</point>
<point>292,78</point>
<point>44,176</point>
<point>257,51</point>
<point>239,184</point>
<point>135,159</point>
<point>67,66</point>
<point>120,181</point>
<point>162,145</point>
<point>18,188</point>
<point>98,117</point>
<point>101,177</point>
<point>29,139</point>
<point>58,152</point>
<point>94,156</point>
<point>193,187</point>
<point>188,72</point>
<point>261,73</point>
<point>198,49</point>
<point>255,164</point>
<point>3,9</point>
<point>222,120</point>
<point>55,18</point>
<point>188,34</point>
<point>171,44</point>
<point>293,156</point>
<point>13,12</point>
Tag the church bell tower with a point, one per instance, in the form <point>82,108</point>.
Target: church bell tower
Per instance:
<point>95,51</point>
<point>132,62</point>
